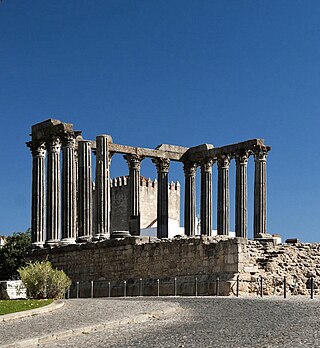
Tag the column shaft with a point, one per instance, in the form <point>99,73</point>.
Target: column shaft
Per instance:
<point>84,190</point>
<point>53,192</point>
<point>69,199</point>
<point>162,165</point>
<point>223,204</point>
<point>38,194</point>
<point>260,192</point>
<point>206,197</point>
<point>102,187</point>
<point>241,215</point>
<point>134,163</point>
<point>190,169</point>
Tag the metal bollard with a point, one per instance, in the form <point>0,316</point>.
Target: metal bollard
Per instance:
<point>158,285</point>
<point>196,286</point>
<point>237,289</point>
<point>284,287</point>
<point>78,289</point>
<point>68,293</point>
<point>217,286</point>
<point>91,288</point>
<point>124,289</point>
<point>109,289</point>
<point>140,287</point>
<point>175,286</point>
<point>311,288</point>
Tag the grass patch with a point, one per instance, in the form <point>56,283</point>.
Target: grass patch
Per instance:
<point>12,306</point>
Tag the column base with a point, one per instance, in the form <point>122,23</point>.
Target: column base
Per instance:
<point>83,239</point>
<point>51,243</point>
<point>67,241</point>
<point>100,236</point>
<point>37,245</point>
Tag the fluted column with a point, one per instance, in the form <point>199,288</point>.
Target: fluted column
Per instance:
<point>241,215</point>
<point>260,192</point>
<point>69,199</point>
<point>84,191</point>
<point>190,169</point>
<point>53,192</point>
<point>134,162</point>
<point>206,196</point>
<point>102,187</point>
<point>223,218</point>
<point>162,165</point>
<point>38,193</point>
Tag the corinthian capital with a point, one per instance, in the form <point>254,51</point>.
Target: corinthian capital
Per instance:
<point>54,145</point>
<point>69,141</point>
<point>134,161</point>
<point>261,153</point>
<point>224,161</point>
<point>162,164</point>
<point>206,164</point>
<point>242,156</point>
<point>37,149</point>
<point>190,168</point>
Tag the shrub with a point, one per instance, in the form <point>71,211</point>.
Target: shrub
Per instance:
<point>42,281</point>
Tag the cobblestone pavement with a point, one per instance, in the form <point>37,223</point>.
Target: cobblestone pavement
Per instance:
<point>205,322</point>
<point>77,314</point>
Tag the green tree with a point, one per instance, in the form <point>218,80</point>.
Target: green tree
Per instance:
<point>13,253</point>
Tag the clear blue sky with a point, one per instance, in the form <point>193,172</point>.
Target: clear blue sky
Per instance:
<point>180,72</point>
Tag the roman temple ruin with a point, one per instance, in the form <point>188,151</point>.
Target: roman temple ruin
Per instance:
<point>65,212</point>
<point>90,225</point>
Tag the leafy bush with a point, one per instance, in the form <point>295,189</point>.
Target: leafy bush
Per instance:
<point>42,281</point>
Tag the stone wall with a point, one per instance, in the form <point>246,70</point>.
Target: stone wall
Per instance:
<point>180,262</point>
<point>297,262</point>
<point>151,259</point>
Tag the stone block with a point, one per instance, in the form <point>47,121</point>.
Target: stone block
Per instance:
<point>12,290</point>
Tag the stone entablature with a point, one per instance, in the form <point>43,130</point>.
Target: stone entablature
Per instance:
<point>52,137</point>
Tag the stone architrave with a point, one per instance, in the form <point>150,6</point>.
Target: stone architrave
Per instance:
<point>134,163</point>
<point>241,215</point>
<point>206,196</point>
<point>69,195</point>
<point>53,192</point>
<point>190,169</point>
<point>84,191</point>
<point>162,165</point>
<point>102,187</point>
<point>260,191</point>
<point>223,204</point>
<point>38,193</point>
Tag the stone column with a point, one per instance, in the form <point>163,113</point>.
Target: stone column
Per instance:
<point>260,192</point>
<point>206,196</point>
<point>134,162</point>
<point>190,169</point>
<point>241,215</point>
<point>53,192</point>
<point>223,204</point>
<point>69,198</point>
<point>38,193</point>
<point>162,165</point>
<point>84,191</point>
<point>102,187</point>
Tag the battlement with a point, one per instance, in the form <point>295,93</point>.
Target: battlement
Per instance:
<point>144,182</point>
